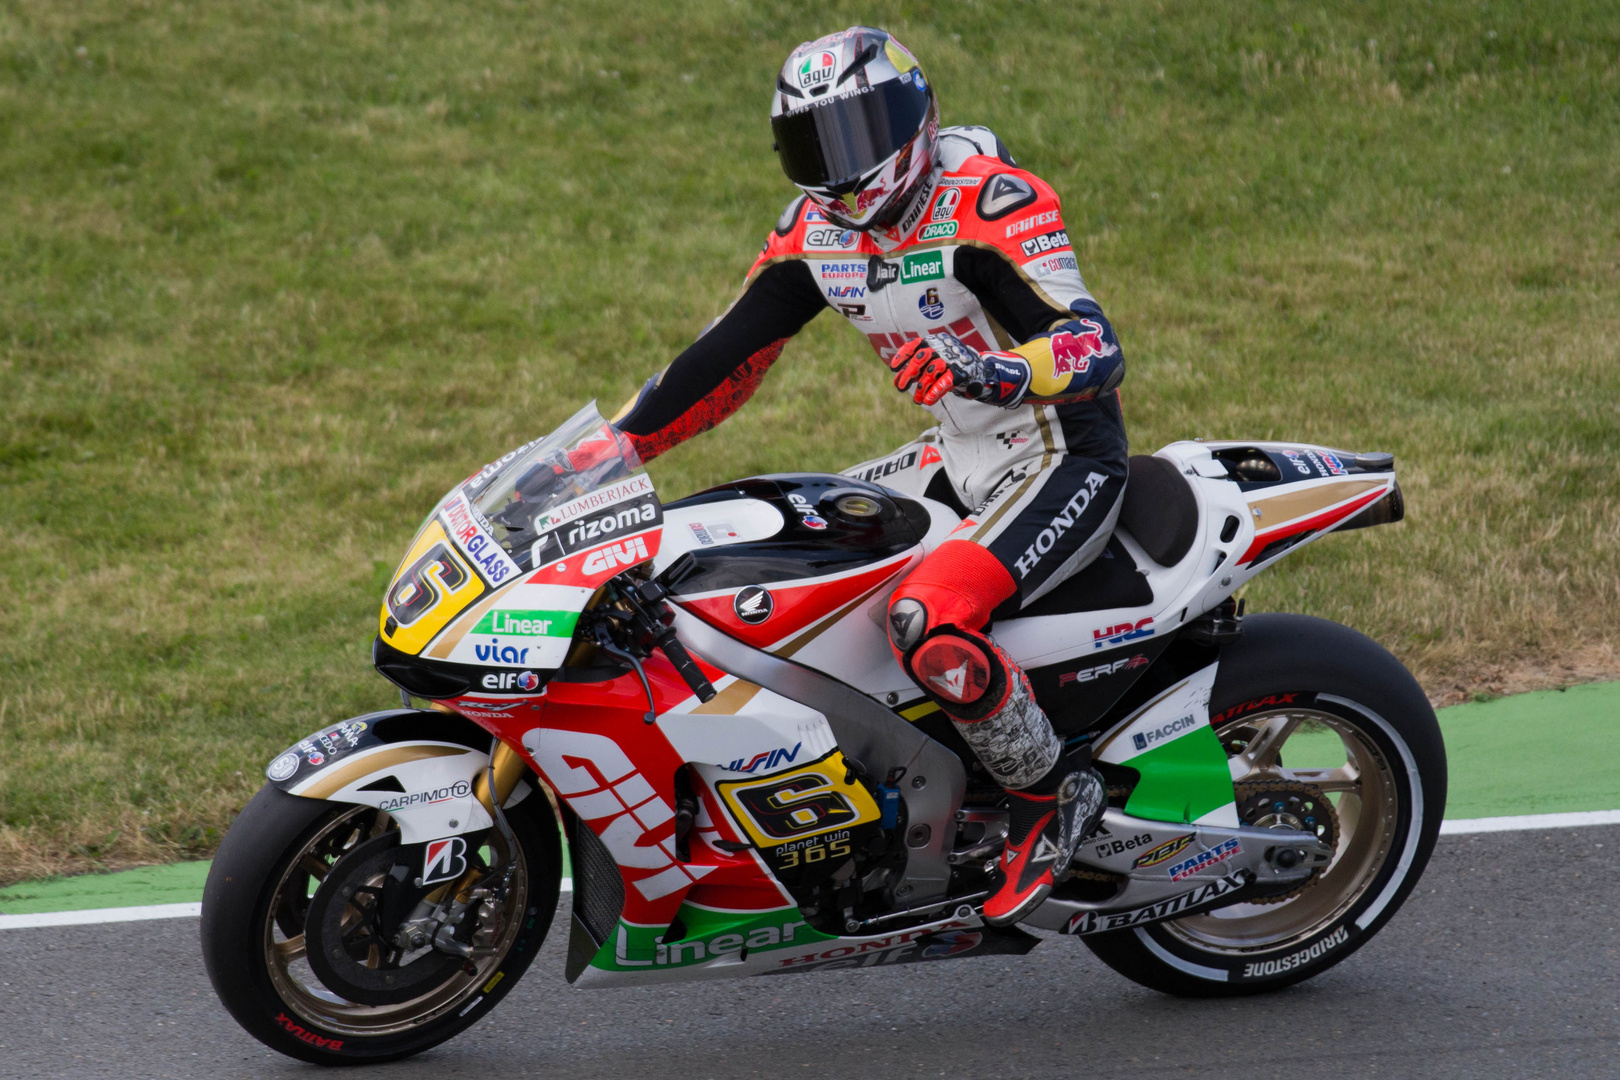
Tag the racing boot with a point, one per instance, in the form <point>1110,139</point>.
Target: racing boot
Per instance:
<point>1056,799</point>
<point>1043,832</point>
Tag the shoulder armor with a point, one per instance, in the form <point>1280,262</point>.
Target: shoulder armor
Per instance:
<point>1004,193</point>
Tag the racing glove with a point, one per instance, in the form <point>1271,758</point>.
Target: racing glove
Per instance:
<point>939,363</point>
<point>609,447</point>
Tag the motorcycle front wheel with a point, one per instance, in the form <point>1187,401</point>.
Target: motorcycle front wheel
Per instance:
<point>297,874</point>
<point>1325,731</point>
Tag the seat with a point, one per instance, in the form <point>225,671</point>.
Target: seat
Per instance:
<point>1159,509</point>
<point>1111,580</point>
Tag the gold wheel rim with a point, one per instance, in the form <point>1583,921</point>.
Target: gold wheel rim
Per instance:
<point>303,992</point>
<point>1366,799</point>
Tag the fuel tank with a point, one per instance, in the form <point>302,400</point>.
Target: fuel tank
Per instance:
<point>782,558</point>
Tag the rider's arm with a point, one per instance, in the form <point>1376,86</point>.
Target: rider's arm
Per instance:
<point>1028,281</point>
<point>720,371</point>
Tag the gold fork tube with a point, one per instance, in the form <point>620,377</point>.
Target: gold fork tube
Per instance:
<point>508,768</point>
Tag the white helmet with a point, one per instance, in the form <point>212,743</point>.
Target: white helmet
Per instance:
<point>855,125</point>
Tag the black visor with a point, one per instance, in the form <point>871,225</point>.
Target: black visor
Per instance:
<point>834,142</point>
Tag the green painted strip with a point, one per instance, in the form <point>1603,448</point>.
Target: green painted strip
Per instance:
<point>1547,752</point>
<point>1542,753</point>
<point>176,883</point>
<point>1182,780</point>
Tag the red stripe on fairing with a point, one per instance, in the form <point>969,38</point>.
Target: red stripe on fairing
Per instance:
<point>794,607</point>
<point>1327,517</point>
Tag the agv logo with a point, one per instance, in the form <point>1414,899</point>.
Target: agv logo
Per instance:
<point>817,69</point>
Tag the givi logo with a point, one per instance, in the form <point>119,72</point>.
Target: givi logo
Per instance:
<point>628,553</point>
<point>600,784</point>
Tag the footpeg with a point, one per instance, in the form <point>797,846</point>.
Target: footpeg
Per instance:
<point>986,834</point>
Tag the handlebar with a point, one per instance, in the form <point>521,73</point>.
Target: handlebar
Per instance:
<point>686,666</point>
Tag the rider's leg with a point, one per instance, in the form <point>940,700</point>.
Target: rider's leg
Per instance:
<point>936,621</point>
<point>1028,537</point>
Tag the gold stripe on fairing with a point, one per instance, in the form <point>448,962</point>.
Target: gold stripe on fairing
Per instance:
<point>326,784</point>
<point>729,701</point>
<point>1045,426</point>
<point>1280,509</point>
<point>463,625</point>
<point>820,628</point>
<point>917,712</point>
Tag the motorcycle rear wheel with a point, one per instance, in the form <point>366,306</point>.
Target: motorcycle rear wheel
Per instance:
<point>258,898</point>
<point>1306,705</point>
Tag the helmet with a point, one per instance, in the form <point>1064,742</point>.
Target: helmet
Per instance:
<point>855,125</point>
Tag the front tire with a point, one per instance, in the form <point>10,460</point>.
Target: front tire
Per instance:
<point>260,893</point>
<point>1282,694</point>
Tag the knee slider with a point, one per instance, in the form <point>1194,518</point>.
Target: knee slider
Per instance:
<point>960,671</point>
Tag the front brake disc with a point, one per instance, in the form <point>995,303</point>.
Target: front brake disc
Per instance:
<point>349,944</point>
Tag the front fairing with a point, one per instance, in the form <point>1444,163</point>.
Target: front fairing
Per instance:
<point>490,592</point>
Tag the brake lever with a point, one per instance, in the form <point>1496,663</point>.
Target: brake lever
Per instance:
<point>604,641</point>
<point>652,593</point>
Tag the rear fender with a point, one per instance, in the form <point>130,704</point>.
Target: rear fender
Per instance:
<point>419,765</point>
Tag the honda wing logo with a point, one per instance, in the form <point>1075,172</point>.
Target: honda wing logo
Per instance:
<point>753,604</point>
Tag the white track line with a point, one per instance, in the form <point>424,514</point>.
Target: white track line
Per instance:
<point>96,916</point>
<point>100,915</point>
<point>1455,827</point>
<point>1518,822</point>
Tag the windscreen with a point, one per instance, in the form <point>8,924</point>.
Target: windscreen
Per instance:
<point>583,470</point>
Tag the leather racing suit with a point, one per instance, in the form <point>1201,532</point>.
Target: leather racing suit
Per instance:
<point>981,254</point>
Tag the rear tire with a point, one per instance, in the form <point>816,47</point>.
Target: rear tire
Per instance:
<point>257,899</point>
<point>1290,674</point>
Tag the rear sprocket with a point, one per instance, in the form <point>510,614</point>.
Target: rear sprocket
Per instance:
<point>1288,804</point>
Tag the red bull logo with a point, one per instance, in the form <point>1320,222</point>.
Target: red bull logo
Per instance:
<point>1072,353</point>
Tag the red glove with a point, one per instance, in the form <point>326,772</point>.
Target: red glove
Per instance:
<point>940,364</point>
<point>607,445</point>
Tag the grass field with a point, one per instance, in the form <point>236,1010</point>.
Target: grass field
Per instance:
<point>274,275</point>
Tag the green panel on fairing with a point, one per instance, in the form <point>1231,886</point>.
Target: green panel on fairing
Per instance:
<point>709,935</point>
<point>1182,780</point>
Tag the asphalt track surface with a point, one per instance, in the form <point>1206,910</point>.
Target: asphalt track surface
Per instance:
<point>1506,963</point>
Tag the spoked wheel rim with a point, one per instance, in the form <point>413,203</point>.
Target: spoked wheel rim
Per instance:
<point>1366,798</point>
<point>284,945</point>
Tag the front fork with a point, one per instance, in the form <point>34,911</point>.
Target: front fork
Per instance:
<point>505,769</point>
<point>502,774</point>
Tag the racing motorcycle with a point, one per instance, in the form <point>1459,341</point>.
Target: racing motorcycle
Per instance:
<point>698,701</point>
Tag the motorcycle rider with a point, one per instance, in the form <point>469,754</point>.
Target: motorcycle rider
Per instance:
<point>957,267</point>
